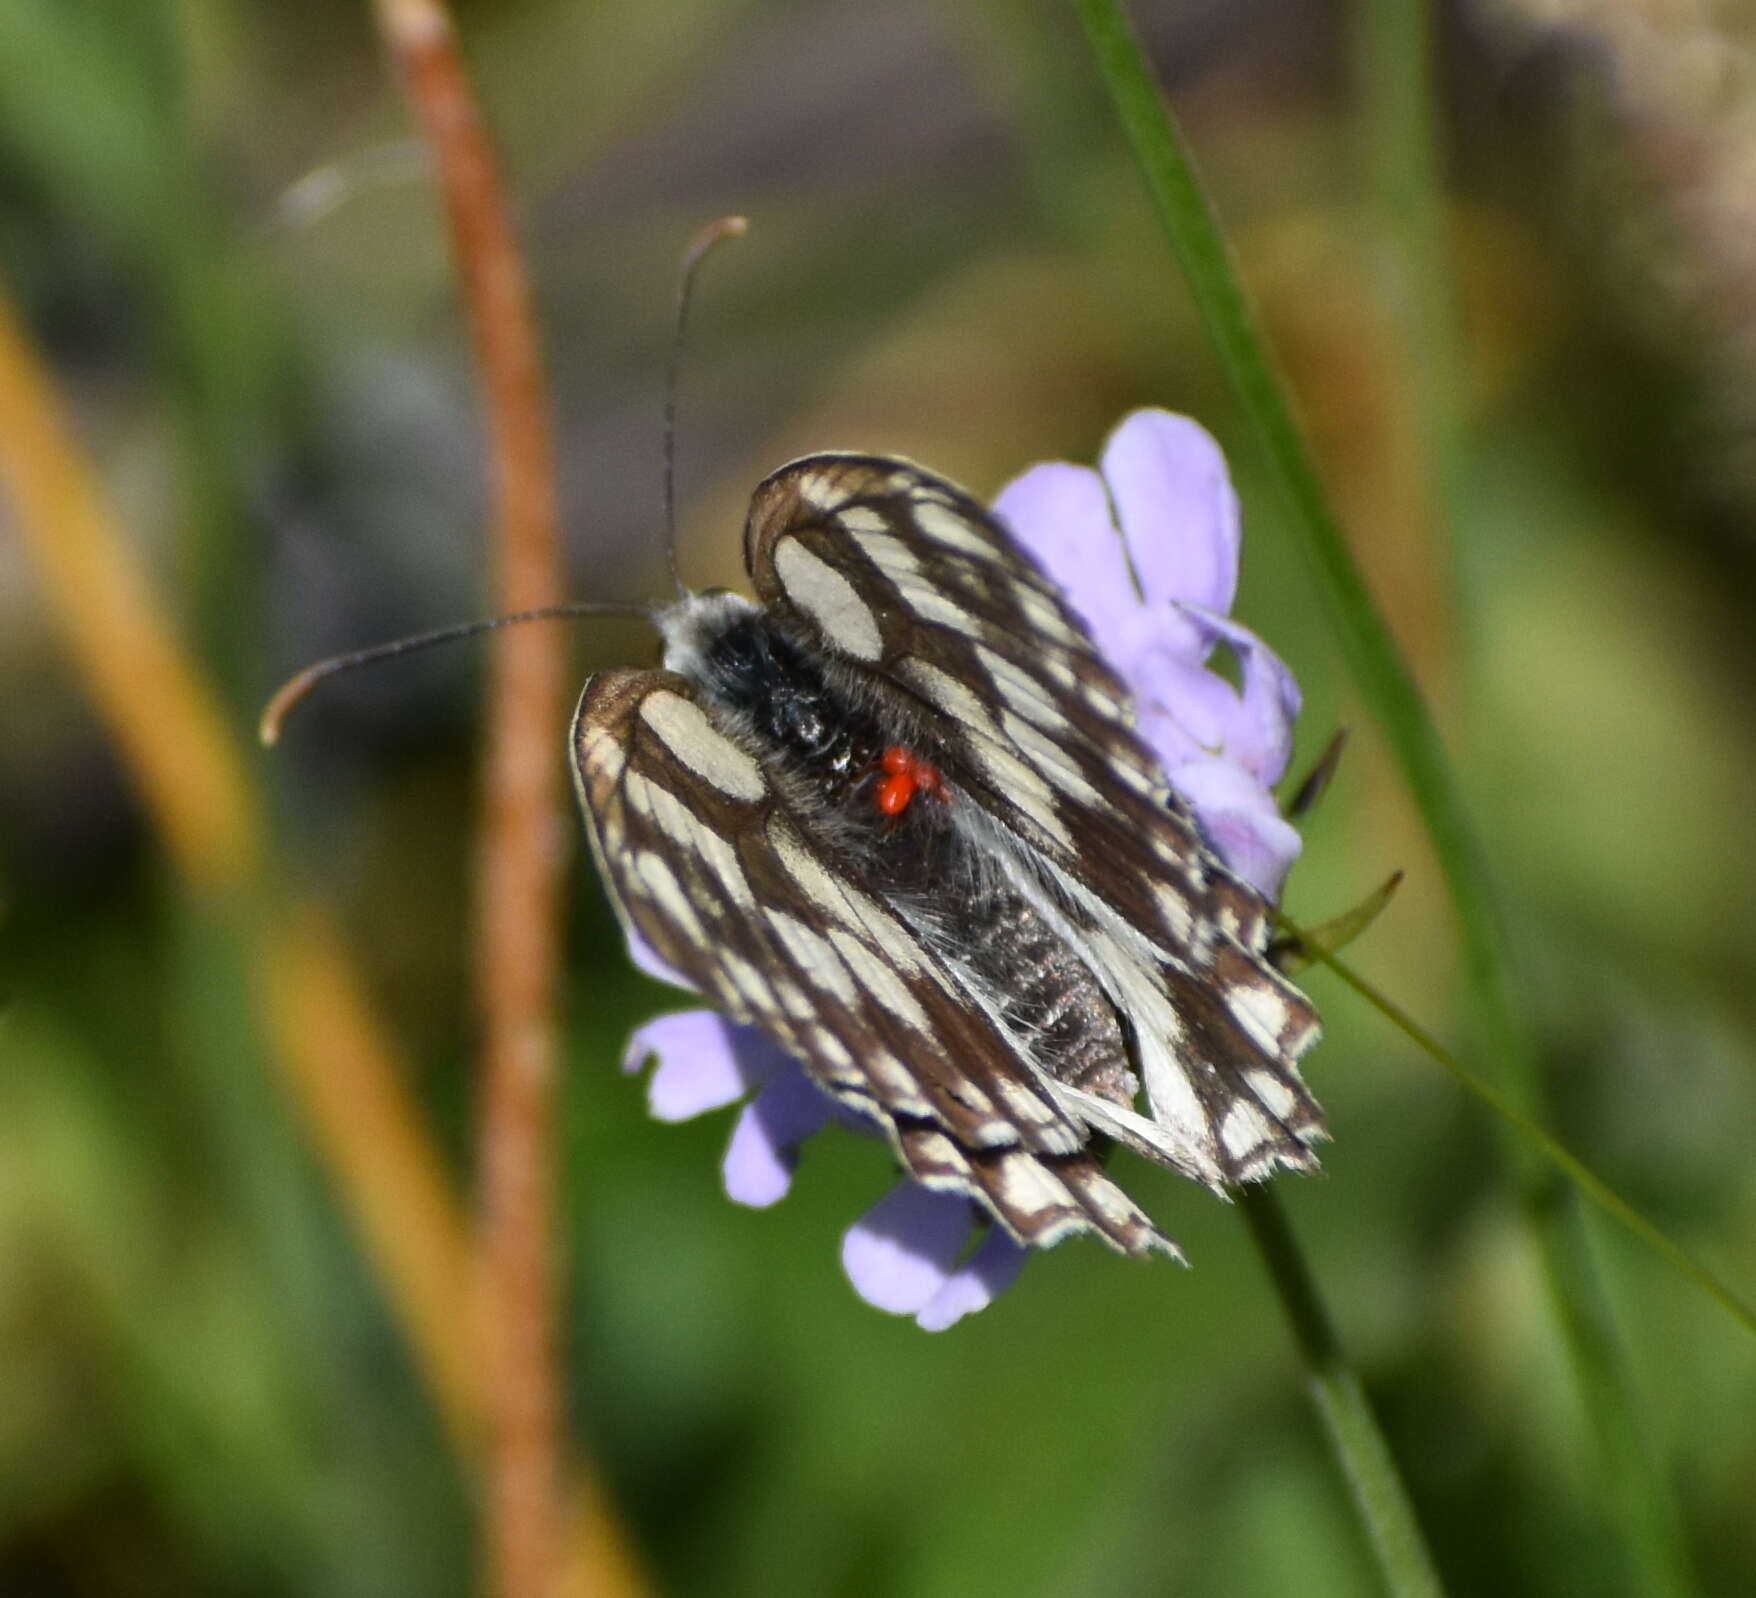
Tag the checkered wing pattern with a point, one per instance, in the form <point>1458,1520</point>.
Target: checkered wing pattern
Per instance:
<point>733,887</point>
<point>930,609</point>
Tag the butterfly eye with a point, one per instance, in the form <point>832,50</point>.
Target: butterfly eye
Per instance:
<point>801,724</point>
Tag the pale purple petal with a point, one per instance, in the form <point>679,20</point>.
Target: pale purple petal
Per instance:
<point>1184,710</point>
<point>1259,731</point>
<point>704,1062</point>
<point>1240,821</point>
<point>651,962</point>
<point>1061,514</point>
<point>1177,508</point>
<point>901,1252</point>
<point>976,1283</point>
<point>764,1150</point>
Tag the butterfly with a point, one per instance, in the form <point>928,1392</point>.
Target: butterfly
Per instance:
<point>894,813</point>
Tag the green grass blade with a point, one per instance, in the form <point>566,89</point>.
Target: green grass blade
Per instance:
<point>1372,655</point>
<point>1353,1433</point>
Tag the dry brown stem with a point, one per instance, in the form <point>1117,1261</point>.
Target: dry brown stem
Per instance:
<point>520,865</point>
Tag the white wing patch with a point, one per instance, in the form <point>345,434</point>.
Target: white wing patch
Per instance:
<point>1025,788</point>
<point>1174,908</point>
<point>682,726</point>
<point>817,489</point>
<point>946,526</point>
<point>955,698</point>
<point>1049,757</point>
<point>897,1082</point>
<point>1274,1093</point>
<point>935,605</point>
<point>667,812</point>
<point>1022,691</point>
<point>1106,705</point>
<point>1141,782</point>
<point>661,882</point>
<point>602,751</point>
<point>752,986</point>
<point>889,553</point>
<point>813,954</point>
<point>1244,1130</point>
<point>829,599</point>
<point>880,980</point>
<point>1260,1008</point>
<point>1032,1186</point>
<point>863,519</point>
<point>1045,615</point>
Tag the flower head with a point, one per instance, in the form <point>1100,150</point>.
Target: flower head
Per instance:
<point>1145,549</point>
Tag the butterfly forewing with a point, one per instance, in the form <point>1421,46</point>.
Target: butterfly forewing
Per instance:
<point>739,892</point>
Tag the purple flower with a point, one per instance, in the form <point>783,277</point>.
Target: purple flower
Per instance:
<point>1164,484</point>
<point>1146,551</point>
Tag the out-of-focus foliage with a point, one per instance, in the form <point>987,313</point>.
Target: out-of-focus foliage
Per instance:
<point>213,223</point>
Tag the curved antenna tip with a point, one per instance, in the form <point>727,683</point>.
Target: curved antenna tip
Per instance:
<point>286,697</point>
<point>725,227</point>
<point>289,695</point>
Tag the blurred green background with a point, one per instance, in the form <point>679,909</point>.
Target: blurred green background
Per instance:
<point>216,226</point>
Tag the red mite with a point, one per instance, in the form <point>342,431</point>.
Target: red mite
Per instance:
<point>905,775</point>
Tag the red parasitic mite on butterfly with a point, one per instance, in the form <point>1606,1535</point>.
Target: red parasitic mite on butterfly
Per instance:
<point>905,775</point>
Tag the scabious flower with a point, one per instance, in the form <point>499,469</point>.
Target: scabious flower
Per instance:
<point>1145,549</point>
<point>1163,483</point>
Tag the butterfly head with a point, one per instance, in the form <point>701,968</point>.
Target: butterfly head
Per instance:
<point>694,625</point>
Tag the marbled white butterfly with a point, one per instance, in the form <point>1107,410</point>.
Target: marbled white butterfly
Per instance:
<point>895,816</point>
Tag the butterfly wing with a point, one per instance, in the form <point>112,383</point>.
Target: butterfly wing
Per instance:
<point>708,860</point>
<point>932,611</point>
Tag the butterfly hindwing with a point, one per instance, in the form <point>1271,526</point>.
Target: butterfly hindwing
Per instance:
<point>930,608</point>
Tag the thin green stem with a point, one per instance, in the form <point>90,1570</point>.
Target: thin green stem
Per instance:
<point>1364,1459</point>
<point>1352,1428</point>
<point>1557,1154</point>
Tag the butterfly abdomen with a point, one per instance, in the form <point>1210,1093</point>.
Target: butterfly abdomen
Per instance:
<point>1043,993</point>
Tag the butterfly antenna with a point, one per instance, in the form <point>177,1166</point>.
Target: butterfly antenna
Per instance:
<point>727,227</point>
<point>295,688</point>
